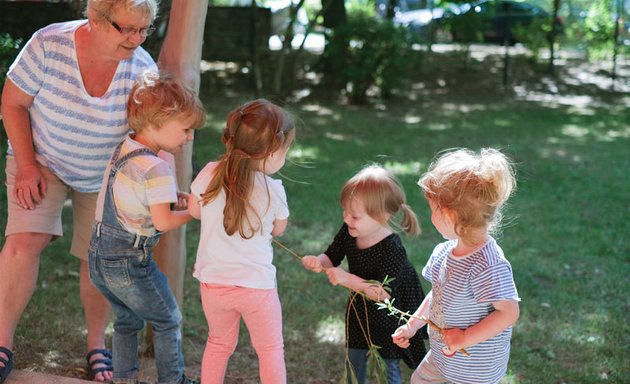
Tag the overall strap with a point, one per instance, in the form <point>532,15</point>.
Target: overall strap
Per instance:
<point>118,163</point>
<point>109,215</point>
<point>117,151</point>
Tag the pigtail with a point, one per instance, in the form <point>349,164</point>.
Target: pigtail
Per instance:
<point>409,222</point>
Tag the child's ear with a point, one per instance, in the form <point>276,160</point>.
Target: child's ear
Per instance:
<point>385,219</point>
<point>450,214</point>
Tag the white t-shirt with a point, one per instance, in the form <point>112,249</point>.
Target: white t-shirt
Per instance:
<point>233,260</point>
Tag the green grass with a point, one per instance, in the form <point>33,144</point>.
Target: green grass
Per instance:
<point>565,233</point>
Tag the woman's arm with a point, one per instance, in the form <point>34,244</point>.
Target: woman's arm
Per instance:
<point>30,185</point>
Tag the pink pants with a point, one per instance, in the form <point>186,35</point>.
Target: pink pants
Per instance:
<point>224,306</point>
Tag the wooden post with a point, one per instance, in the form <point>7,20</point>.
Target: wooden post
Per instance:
<point>181,55</point>
<point>181,50</point>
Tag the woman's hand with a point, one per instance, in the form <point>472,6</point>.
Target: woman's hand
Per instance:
<point>312,263</point>
<point>30,186</point>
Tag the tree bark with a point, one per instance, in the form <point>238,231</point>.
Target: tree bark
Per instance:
<point>552,37</point>
<point>181,55</point>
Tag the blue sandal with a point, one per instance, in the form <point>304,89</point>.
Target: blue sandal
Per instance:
<point>107,361</point>
<point>8,364</point>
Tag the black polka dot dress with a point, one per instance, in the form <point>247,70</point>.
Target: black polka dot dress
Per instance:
<point>386,258</point>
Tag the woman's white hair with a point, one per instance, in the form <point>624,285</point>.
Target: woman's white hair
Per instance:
<point>100,9</point>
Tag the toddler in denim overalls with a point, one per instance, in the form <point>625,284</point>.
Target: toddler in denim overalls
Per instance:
<point>133,210</point>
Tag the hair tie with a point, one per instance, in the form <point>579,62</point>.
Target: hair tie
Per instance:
<point>226,137</point>
<point>241,153</point>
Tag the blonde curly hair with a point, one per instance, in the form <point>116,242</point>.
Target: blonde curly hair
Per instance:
<point>474,186</point>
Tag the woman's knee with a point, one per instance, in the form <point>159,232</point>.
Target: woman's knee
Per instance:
<point>24,246</point>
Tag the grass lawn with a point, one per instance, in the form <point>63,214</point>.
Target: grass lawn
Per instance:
<point>566,228</point>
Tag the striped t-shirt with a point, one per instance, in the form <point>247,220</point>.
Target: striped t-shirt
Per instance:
<point>74,134</point>
<point>463,290</point>
<point>140,182</point>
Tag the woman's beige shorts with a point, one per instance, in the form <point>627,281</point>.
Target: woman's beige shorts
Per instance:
<point>46,217</point>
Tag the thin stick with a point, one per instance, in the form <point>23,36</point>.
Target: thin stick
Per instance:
<point>287,249</point>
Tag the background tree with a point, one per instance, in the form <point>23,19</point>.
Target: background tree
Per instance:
<point>334,16</point>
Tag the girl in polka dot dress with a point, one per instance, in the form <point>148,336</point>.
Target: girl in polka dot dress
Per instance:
<point>371,201</point>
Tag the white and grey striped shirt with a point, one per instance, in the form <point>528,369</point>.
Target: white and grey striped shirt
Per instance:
<point>74,134</point>
<point>464,289</point>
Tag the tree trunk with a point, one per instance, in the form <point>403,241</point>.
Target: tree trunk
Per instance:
<point>618,26</point>
<point>334,16</point>
<point>554,32</point>
<point>181,55</point>
<point>287,40</point>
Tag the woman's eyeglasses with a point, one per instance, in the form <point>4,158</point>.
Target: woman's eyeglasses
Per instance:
<point>130,31</point>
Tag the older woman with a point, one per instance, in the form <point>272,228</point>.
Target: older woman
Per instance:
<point>63,108</point>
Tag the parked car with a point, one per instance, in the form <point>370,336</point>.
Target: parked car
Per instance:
<point>422,22</point>
<point>280,14</point>
<point>426,23</point>
<point>494,21</point>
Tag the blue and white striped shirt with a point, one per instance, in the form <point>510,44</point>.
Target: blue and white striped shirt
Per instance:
<point>74,134</point>
<point>464,289</point>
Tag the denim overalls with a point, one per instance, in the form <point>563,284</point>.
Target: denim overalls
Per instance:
<point>122,268</point>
